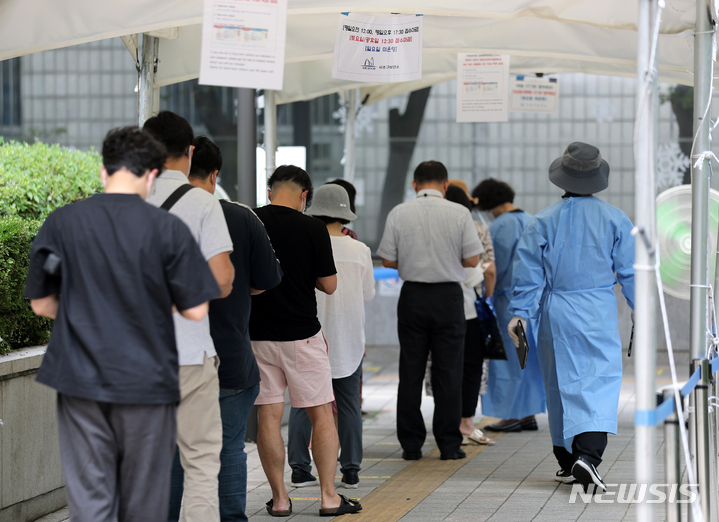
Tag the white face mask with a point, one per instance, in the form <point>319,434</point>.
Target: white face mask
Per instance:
<point>304,203</point>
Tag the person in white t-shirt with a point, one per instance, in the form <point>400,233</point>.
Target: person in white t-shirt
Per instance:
<point>342,318</point>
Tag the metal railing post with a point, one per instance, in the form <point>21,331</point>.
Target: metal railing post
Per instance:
<point>701,412</point>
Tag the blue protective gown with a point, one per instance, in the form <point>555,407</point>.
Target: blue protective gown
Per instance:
<point>564,276</point>
<point>512,393</point>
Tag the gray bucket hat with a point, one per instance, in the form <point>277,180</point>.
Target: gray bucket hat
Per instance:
<point>580,170</point>
<point>331,201</point>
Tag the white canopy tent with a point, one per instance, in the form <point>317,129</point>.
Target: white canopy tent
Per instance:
<point>547,36</point>
<point>540,35</point>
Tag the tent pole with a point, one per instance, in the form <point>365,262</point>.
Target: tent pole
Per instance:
<point>700,210</point>
<point>146,84</point>
<point>351,104</point>
<point>246,188</point>
<point>645,283</point>
<point>270,132</point>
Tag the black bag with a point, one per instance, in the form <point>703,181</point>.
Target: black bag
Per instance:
<point>493,345</point>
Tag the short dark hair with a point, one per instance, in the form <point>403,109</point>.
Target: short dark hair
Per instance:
<point>172,130</point>
<point>206,159</point>
<point>491,193</point>
<point>329,220</point>
<point>292,174</point>
<point>351,191</point>
<point>458,195</point>
<point>133,149</point>
<point>429,171</point>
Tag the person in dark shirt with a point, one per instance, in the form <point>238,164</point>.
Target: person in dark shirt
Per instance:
<point>288,342</point>
<point>256,270</point>
<point>109,270</point>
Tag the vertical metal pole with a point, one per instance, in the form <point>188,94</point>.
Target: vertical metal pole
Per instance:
<point>146,81</point>
<point>700,210</point>
<point>703,455</point>
<point>351,105</point>
<point>270,132</point>
<point>245,191</point>
<point>645,283</point>
<point>672,445</point>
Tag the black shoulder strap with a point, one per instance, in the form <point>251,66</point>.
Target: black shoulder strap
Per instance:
<point>175,196</point>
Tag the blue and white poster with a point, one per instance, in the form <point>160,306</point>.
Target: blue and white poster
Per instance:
<point>377,49</point>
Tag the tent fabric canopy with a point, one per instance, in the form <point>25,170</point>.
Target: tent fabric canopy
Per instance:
<point>547,36</point>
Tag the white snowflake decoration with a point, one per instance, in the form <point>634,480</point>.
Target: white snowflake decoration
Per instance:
<point>364,120</point>
<point>604,110</point>
<point>671,164</point>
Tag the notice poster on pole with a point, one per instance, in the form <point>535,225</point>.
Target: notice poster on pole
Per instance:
<point>534,94</point>
<point>378,50</point>
<point>482,88</point>
<point>243,43</point>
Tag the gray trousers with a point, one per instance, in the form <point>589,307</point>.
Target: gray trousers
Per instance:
<point>116,459</point>
<point>349,426</point>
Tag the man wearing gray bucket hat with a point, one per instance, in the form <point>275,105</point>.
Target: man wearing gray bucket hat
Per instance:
<point>342,318</point>
<point>568,256</point>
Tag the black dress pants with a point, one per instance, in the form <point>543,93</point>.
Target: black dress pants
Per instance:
<point>430,319</point>
<point>473,361</point>
<point>590,445</point>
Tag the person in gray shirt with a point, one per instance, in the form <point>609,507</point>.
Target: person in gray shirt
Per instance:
<point>430,240</point>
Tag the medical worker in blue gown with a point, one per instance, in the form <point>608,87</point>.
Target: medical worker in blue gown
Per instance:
<point>513,395</point>
<point>564,276</point>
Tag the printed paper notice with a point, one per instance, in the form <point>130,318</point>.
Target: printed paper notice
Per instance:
<point>534,94</point>
<point>482,87</point>
<point>378,50</point>
<point>243,43</point>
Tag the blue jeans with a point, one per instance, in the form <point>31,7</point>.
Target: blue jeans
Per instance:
<point>235,406</point>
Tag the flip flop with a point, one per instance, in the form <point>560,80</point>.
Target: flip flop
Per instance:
<point>346,506</point>
<point>477,437</point>
<point>278,512</point>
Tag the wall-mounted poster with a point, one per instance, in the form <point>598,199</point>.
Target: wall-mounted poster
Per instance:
<point>534,94</point>
<point>243,43</point>
<point>482,87</point>
<point>378,50</point>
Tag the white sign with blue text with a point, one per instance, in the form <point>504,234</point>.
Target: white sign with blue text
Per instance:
<point>378,50</point>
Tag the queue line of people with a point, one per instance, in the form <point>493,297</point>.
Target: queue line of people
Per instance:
<point>171,322</point>
<point>173,318</point>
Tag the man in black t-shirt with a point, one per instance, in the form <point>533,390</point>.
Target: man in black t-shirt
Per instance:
<point>256,270</point>
<point>109,270</point>
<point>287,339</point>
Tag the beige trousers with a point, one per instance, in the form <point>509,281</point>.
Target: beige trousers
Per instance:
<point>199,438</point>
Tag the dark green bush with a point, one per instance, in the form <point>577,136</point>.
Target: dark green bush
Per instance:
<point>36,178</point>
<point>19,326</point>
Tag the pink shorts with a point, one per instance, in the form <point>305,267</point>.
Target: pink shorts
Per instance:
<point>302,366</point>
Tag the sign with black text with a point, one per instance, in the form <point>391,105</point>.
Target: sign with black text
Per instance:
<point>378,50</point>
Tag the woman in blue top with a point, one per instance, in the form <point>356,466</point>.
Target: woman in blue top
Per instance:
<point>564,277</point>
<point>513,395</point>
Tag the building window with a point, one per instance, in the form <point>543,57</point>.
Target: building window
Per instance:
<point>10,93</point>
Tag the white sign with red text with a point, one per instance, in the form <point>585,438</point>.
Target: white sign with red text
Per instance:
<point>378,50</point>
<point>243,43</point>
<point>534,94</point>
<point>482,87</point>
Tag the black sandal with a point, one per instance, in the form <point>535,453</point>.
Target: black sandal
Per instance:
<point>346,506</point>
<point>277,512</point>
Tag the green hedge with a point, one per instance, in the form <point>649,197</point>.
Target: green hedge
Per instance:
<point>19,326</point>
<point>35,179</point>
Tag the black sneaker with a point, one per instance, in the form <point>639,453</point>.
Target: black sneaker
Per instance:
<point>302,479</point>
<point>350,479</point>
<point>459,454</point>
<point>565,477</point>
<point>587,475</point>
<point>411,455</point>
